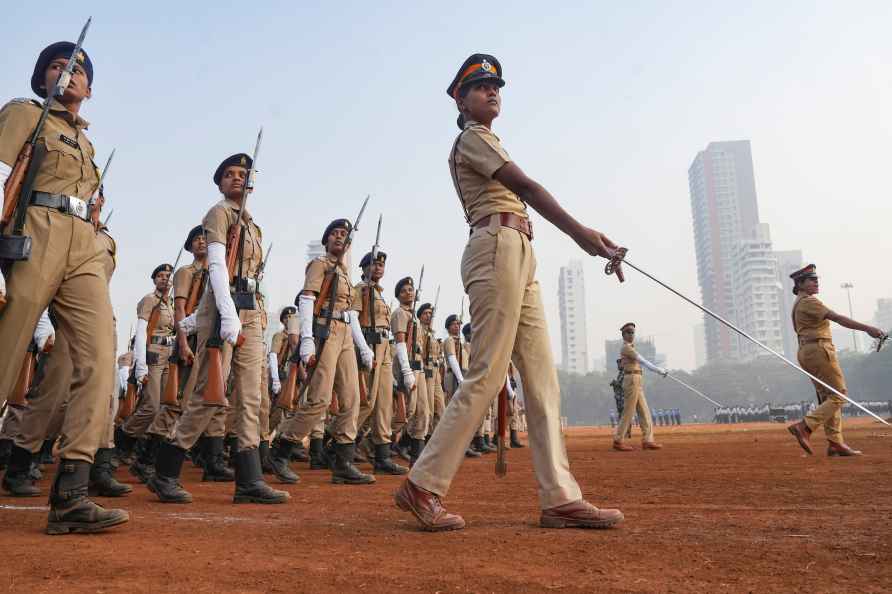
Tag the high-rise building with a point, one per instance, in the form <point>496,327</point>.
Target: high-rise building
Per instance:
<point>882,319</point>
<point>574,334</point>
<point>757,293</point>
<point>724,208</point>
<point>644,346</point>
<point>787,263</point>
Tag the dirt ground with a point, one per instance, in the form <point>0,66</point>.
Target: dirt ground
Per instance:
<point>720,509</point>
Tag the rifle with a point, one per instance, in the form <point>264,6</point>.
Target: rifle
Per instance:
<point>367,321</point>
<point>402,394</point>
<point>502,432</point>
<point>129,402</point>
<point>17,191</point>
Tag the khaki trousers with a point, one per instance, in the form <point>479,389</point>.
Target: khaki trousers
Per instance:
<point>265,403</point>
<point>12,422</point>
<point>436,399</point>
<point>635,402</point>
<point>498,271</point>
<point>244,364</point>
<point>378,407</point>
<point>164,425</point>
<point>819,359</point>
<point>148,407</point>
<point>336,371</point>
<point>47,397</point>
<point>65,269</point>
<point>418,418</point>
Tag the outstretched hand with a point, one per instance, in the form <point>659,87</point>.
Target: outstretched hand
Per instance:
<point>596,243</point>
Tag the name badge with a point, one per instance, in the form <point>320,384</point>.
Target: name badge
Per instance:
<point>69,141</point>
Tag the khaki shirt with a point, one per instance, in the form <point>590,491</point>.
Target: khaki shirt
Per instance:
<point>476,156</point>
<point>182,282</point>
<point>810,318</point>
<point>165,326</point>
<point>280,347</point>
<point>381,309</point>
<point>629,357</point>
<point>68,167</point>
<point>216,225</point>
<point>431,350</point>
<point>399,322</point>
<point>316,271</point>
<point>453,345</point>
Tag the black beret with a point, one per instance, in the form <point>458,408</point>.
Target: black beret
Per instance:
<point>626,325</point>
<point>60,49</point>
<point>367,259</point>
<point>401,283</point>
<point>466,330</point>
<point>196,231</point>
<point>424,307</point>
<point>476,68</point>
<point>161,268</point>
<point>287,311</point>
<point>236,160</point>
<point>336,224</point>
<point>450,319</point>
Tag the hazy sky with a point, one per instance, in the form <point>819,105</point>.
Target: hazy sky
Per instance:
<point>606,105</point>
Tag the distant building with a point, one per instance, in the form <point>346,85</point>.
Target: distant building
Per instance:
<point>756,291</point>
<point>787,263</point>
<point>574,334</point>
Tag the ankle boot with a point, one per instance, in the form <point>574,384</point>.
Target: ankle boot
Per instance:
<point>265,463</point>
<point>317,455</point>
<point>231,446</point>
<point>477,445</point>
<point>383,463</point>
<point>5,452</point>
<point>279,460</point>
<point>17,480</point>
<point>343,470</point>
<point>46,452</point>
<point>196,452</point>
<point>102,479</point>
<point>215,469</point>
<point>470,452</point>
<point>166,481</point>
<point>488,445</point>
<point>249,484</point>
<point>299,453</point>
<point>515,440</point>
<point>144,466</point>
<point>70,509</point>
<point>125,444</point>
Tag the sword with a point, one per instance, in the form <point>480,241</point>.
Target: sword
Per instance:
<point>436,301</point>
<point>694,390</point>
<point>377,239</point>
<point>620,258</point>
<point>65,77</point>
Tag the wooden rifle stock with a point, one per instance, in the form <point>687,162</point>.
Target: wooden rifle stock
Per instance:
<point>171,388</point>
<point>129,402</point>
<point>502,432</point>
<point>399,403</point>
<point>363,388</point>
<point>325,289</point>
<point>289,390</point>
<point>233,239</point>
<point>18,398</point>
<point>195,291</point>
<point>13,189</point>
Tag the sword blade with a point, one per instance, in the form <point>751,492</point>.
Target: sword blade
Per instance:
<point>758,343</point>
<point>65,76</point>
<point>695,390</point>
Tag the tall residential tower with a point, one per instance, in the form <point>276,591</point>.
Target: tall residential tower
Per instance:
<point>574,334</point>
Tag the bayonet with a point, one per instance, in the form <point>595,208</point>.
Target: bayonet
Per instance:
<point>377,239</point>
<point>65,76</point>
<point>108,217</point>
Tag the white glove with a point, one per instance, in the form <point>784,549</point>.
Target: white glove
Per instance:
<point>273,361</point>
<point>307,346</point>
<point>510,387</point>
<point>456,370</point>
<point>188,325</point>
<point>402,357</point>
<point>139,350</point>
<point>123,375</point>
<point>230,325</point>
<point>277,386</point>
<point>365,353</point>
<point>44,330</point>
<point>2,285</point>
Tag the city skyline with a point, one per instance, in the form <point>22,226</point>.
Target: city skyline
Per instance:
<point>572,307</point>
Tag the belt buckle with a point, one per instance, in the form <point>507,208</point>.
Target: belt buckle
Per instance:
<point>76,207</point>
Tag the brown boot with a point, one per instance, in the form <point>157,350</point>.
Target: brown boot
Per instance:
<point>427,508</point>
<point>580,514</point>
<point>622,447</point>
<point>841,449</point>
<point>802,434</point>
<point>651,445</point>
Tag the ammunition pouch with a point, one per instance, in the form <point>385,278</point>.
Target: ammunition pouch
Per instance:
<point>428,373</point>
<point>415,365</point>
<point>14,248</point>
<point>244,294</point>
<point>152,358</point>
<point>371,336</point>
<point>320,332</point>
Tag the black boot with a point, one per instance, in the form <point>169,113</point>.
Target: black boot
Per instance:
<point>471,452</point>
<point>515,440</point>
<point>383,463</point>
<point>125,444</point>
<point>231,446</point>
<point>215,469</point>
<point>402,446</point>
<point>249,484</point>
<point>71,510</point>
<point>46,452</point>
<point>317,455</point>
<point>266,464</point>
<point>279,460</point>
<point>343,471</point>
<point>477,445</point>
<point>143,468</point>
<point>488,446</point>
<point>415,450</point>
<point>359,456</point>
<point>102,479</point>
<point>196,452</point>
<point>166,482</point>
<point>5,452</point>
<point>35,472</point>
<point>299,453</point>
<point>17,480</point>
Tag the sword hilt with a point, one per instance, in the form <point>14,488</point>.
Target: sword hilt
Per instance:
<point>616,261</point>
<point>881,342</point>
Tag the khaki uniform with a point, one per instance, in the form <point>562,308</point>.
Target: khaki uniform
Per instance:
<point>336,369</point>
<point>418,405</point>
<point>280,346</point>
<point>817,355</point>
<point>182,285</point>
<point>378,407</point>
<point>244,362</point>
<point>633,389</point>
<point>461,350</point>
<point>148,418</point>
<point>265,404</point>
<point>65,269</point>
<point>432,356</point>
<point>498,271</point>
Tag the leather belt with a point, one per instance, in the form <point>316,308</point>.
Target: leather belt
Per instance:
<point>803,341</point>
<point>337,316</point>
<point>162,340</point>
<point>633,372</point>
<point>69,205</point>
<point>507,219</point>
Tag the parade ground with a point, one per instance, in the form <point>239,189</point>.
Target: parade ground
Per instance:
<point>723,508</point>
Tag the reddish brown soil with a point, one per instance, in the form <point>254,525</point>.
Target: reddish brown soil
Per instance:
<point>721,509</point>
